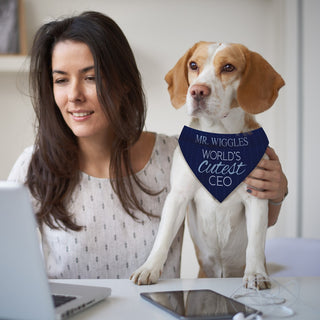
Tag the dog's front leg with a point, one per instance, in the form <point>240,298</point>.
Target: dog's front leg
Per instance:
<point>255,275</point>
<point>183,187</point>
<point>173,215</point>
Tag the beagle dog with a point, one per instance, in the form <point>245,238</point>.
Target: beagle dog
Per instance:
<point>223,86</point>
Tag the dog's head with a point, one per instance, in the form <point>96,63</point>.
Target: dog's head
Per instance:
<point>212,78</point>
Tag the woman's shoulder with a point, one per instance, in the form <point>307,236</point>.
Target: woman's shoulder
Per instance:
<point>166,142</point>
<point>165,145</point>
<point>19,170</point>
<point>163,149</point>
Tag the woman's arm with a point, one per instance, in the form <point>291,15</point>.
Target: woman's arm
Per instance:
<point>267,181</point>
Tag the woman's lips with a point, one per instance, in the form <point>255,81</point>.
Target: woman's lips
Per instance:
<point>79,116</point>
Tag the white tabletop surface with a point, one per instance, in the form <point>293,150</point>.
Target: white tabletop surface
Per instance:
<point>301,294</point>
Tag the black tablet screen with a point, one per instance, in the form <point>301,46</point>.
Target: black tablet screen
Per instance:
<point>198,304</point>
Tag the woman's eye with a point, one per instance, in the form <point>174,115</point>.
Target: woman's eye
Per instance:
<point>59,81</point>
<point>193,66</point>
<point>91,78</point>
<point>228,68</point>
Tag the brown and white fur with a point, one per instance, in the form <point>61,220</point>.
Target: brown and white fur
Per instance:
<point>223,86</point>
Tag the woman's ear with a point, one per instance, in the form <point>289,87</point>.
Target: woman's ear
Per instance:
<point>177,79</point>
<point>259,85</point>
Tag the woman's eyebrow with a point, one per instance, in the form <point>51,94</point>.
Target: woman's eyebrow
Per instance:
<point>84,70</point>
<point>58,71</point>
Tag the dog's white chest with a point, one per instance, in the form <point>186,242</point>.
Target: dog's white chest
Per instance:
<point>218,231</point>
<point>217,220</point>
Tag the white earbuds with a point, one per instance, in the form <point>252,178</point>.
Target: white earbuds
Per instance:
<point>240,316</point>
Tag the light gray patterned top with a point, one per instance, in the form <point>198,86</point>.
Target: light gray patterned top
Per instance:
<point>111,244</point>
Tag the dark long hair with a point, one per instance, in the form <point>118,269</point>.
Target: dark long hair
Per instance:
<point>54,169</point>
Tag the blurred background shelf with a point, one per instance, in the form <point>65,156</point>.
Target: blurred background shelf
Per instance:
<point>14,63</point>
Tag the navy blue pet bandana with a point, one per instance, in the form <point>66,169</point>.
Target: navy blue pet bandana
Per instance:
<point>222,161</point>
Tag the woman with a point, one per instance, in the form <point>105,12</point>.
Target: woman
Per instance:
<point>98,182</point>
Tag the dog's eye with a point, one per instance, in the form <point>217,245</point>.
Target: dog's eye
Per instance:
<point>228,68</point>
<point>193,66</point>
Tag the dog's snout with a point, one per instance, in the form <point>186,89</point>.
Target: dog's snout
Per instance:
<point>199,91</point>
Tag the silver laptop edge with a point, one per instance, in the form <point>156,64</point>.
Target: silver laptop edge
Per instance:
<point>25,292</point>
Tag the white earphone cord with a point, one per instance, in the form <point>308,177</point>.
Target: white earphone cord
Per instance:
<point>269,303</point>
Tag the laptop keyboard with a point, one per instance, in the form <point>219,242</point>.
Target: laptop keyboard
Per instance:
<point>60,299</point>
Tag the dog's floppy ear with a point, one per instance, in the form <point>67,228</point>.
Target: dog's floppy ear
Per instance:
<point>259,85</point>
<point>177,79</point>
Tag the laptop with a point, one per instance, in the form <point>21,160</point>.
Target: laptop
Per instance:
<point>25,292</point>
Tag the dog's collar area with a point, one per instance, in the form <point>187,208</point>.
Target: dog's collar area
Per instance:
<point>222,161</point>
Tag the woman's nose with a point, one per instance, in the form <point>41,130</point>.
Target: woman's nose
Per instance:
<point>75,93</point>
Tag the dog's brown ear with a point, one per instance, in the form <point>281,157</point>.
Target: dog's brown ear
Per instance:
<point>177,79</point>
<point>259,84</point>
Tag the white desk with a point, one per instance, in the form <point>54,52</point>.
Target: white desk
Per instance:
<point>126,303</point>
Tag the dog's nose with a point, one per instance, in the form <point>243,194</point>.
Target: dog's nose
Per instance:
<point>199,91</point>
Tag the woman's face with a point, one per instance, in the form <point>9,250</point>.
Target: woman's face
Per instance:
<point>74,89</point>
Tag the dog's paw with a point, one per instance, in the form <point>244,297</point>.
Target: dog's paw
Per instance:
<point>258,281</point>
<point>146,275</point>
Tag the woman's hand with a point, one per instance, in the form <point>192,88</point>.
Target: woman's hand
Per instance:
<point>267,181</point>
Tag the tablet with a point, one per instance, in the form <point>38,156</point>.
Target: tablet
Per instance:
<point>198,304</point>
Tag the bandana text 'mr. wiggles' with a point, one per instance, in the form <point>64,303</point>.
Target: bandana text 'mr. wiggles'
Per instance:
<point>222,161</point>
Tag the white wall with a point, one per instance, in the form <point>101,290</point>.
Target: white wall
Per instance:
<point>310,114</point>
<point>159,33</point>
